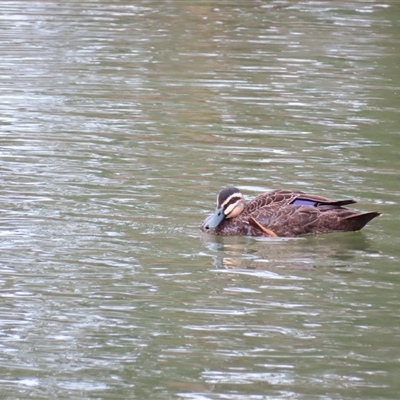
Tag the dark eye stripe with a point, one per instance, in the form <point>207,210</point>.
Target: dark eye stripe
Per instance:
<point>232,201</point>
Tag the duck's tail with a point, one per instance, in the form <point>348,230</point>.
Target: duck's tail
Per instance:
<point>358,221</point>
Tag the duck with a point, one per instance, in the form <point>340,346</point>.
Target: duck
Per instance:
<point>282,213</point>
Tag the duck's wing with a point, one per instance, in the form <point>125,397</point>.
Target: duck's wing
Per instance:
<point>295,197</point>
<point>305,199</point>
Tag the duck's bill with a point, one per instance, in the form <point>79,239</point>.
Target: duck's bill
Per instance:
<point>215,219</point>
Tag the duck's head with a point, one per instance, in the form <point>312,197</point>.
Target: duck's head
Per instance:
<point>230,203</point>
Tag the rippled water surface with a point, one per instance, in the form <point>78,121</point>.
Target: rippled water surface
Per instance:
<point>119,123</point>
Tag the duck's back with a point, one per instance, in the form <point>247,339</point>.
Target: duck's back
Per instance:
<point>281,198</point>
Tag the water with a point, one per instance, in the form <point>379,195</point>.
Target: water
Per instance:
<point>120,123</point>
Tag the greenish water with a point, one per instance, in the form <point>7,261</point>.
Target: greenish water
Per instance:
<point>119,124</point>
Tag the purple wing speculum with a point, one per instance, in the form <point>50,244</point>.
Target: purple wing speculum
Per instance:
<point>303,202</point>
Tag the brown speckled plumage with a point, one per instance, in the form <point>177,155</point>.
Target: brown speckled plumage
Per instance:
<point>276,212</point>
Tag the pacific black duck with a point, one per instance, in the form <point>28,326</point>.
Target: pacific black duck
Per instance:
<point>282,213</point>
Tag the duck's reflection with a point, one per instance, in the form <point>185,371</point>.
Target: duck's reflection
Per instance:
<point>307,252</point>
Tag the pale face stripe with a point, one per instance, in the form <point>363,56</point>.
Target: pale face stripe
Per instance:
<point>236,196</point>
<point>233,205</point>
